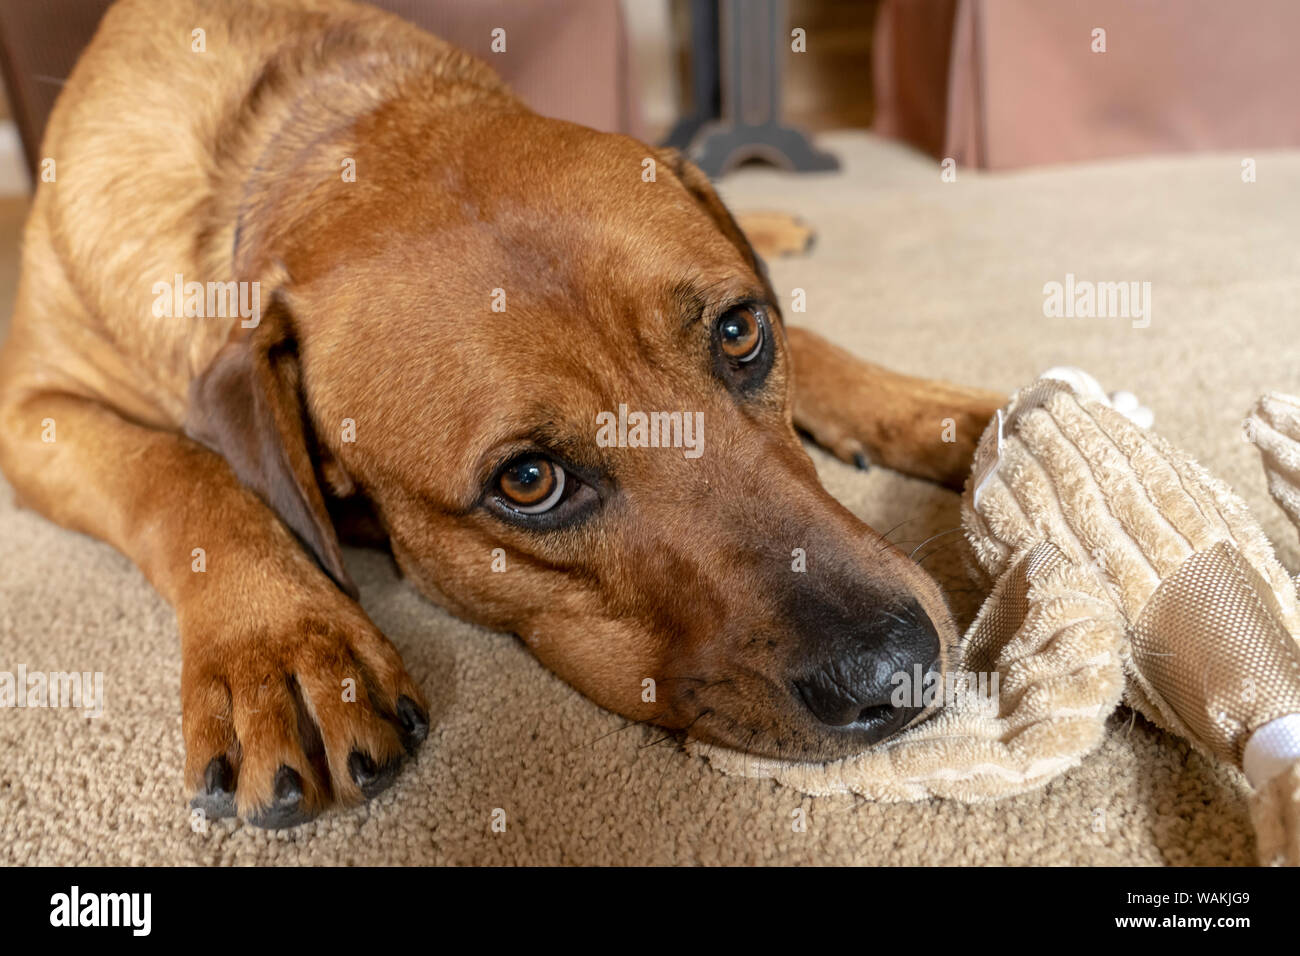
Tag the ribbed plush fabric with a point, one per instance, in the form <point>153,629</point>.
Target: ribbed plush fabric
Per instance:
<point>1274,428</point>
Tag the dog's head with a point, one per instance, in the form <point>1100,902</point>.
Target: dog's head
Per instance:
<point>553,365</point>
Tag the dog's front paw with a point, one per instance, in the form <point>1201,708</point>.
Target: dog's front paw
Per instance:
<point>281,720</point>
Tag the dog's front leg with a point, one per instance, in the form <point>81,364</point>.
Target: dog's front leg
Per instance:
<point>291,697</point>
<point>864,413</point>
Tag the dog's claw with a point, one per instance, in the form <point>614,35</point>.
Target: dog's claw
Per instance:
<point>286,809</point>
<point>217,798</point>
<point>371,779</point>
<point>415,723</point>
<point>288,785</point>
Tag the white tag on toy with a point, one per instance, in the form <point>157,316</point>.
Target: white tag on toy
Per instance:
<point>987,458</point>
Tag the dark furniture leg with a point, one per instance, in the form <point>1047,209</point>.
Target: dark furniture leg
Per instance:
<point>750,127</point>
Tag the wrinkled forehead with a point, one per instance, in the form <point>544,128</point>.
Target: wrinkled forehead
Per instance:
<point>615,286</point>
<point>539,196</point>
<point>592,228</point>
<point>567,239</point>
<point>537,373</point>
<point>526,309</point>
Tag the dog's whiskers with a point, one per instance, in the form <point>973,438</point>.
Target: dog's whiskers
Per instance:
<point>681,732</point>
<point>654,718</point>
<point>673,734</point>
<point>899,525</point>
<point>938,550</point>
<point>617,730</point>
<point>931,538</point>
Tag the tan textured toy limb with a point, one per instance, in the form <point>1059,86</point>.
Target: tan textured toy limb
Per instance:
<point>1115,554</point>
<point>1210,613</point>
<point>1274,427</point>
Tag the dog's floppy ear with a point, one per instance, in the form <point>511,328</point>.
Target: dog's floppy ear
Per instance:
<point>247,406</point>
<point>698,185</point>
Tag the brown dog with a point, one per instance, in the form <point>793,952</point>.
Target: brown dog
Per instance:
<point>438,337</point>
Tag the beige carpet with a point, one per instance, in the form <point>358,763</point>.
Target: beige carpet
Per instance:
<point>940,279</point>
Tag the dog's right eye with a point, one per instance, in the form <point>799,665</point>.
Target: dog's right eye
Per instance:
<point>740,334</point>
<point>531,485</point>
<point>743,347</point>
<point>534,490</point>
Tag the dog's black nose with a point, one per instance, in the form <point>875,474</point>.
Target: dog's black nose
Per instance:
<point>863,675</point>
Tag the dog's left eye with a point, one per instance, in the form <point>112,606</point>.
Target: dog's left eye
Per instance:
<point>534,490</point>
<point>532,485</point>
<point>740,334</point>
<point>744,347</point>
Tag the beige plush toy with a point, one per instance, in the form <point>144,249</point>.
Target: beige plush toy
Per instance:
<point>1123,569</point>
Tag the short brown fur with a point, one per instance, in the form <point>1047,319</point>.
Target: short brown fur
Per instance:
<point>178,434</point>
